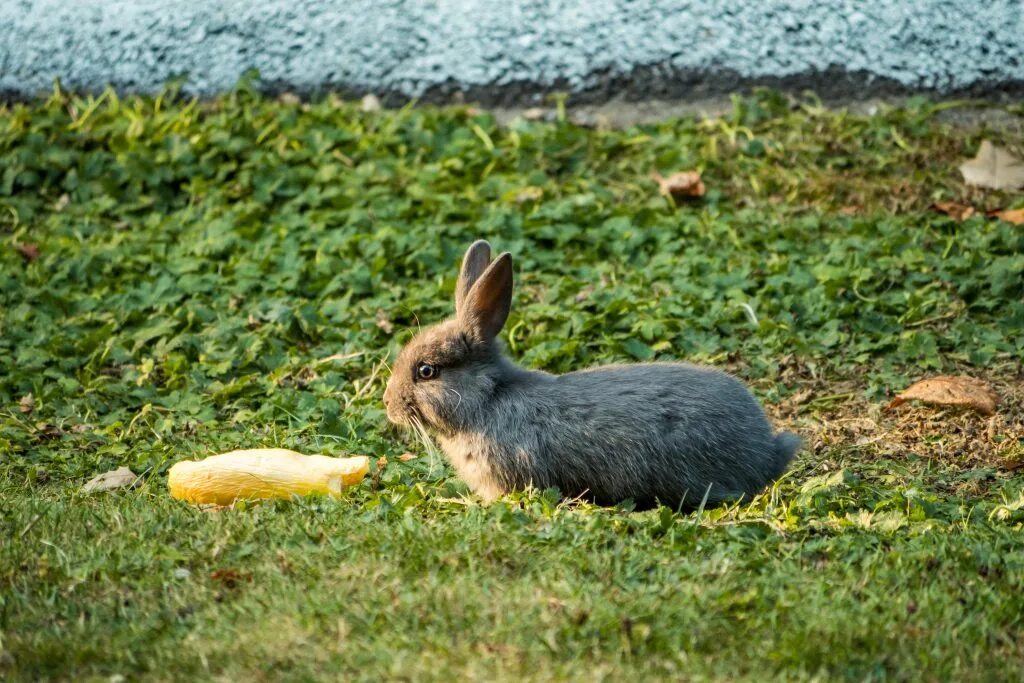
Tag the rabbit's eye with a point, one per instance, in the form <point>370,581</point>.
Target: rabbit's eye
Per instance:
<point>426,371</point>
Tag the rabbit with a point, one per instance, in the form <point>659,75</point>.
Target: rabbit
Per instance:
<point>664,433</point>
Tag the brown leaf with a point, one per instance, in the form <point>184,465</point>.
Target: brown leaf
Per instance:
<point>584,294</point>
<point>406,457</point>
<point>684,185</point>
<point>27,404</point>
<point>230,577</point>
<point>28,251</point>
<point>801,397</point>
<point>529,194</point>
<point>382,462</point>
<point>1015,216</point>
<point>851,210</point>
<point>534,114</point>
<point>993,168</point>
<point>384,322</point>
<point>120,478</point>
<point>958,212</point>
<point>951,391</point>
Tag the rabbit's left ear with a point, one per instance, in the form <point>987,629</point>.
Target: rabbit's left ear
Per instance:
<point>487,305</point>
<point>474,263</point>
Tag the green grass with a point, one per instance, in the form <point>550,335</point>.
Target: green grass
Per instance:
<point>236,273</point>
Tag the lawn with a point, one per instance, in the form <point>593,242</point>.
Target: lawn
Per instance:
<point>180,278</point>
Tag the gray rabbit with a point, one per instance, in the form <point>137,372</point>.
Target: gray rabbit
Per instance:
<point>668,433</point>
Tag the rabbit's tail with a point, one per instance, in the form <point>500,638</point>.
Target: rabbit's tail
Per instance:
<point>786,445</point>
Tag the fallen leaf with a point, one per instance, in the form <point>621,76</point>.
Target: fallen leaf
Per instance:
<point>684,185</point>
<point>958,212</point>
<point>529,194</point>
<point>120,478</point>
<point>801,397</point>
<point>27,404</point>
<point>951,391</point>
<point>45,431</point>
<point>1015,216</point>
<point>230,577</point>
<point>384,322</point>
<point>382,462</point>
<point>534,114</point>
<point>28,251</point>
<point>993,168</point>
<point>62,202</point>
<point>289,98</point>
<point>851,210</point>
<point>406,457</point>
<point>370,103</point>
<point>584,294</point>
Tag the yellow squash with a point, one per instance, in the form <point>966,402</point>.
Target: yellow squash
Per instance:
<point>263,473</point>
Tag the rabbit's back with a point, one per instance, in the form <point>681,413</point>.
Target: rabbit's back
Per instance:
<point>668,432</point>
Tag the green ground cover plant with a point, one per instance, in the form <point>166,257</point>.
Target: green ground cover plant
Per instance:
<point>180,278</point>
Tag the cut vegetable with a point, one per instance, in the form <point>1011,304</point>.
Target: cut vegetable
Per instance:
<point>263,473</point>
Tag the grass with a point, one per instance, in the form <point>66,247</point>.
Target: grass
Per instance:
<point>179,278</point>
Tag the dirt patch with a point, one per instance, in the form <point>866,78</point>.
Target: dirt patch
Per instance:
<point>869,430</point>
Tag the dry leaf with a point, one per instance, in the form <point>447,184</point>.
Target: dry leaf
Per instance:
<point>584,294</point>
<point>951,391</point>
<point>370,103</point>
<point>1015,216</point>
<point>958,212</point>
<point>28,251</point>
<point>684,185</point>
<point>120,478</point>
<point>27,404</point>
<point>382,462</point>
<point>230,578</point>
<point>384,322</point>
<point>994,168</point>
<point>529,194</point>
<point>289,98</point>
<point>62,202</point>
<point>406,457</point>
<point>534,114</point>
<point>851,210</point>
<point>796,400</point>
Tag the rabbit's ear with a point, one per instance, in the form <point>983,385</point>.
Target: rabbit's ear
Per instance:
<point>474,263</point>
<point>487,305</point>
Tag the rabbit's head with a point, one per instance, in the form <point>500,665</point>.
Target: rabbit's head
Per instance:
<point>444,377</point>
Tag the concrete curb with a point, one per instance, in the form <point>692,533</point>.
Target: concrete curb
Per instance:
<point>513,52</point>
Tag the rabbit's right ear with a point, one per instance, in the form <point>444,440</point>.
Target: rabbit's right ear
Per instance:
<point>474,263</point>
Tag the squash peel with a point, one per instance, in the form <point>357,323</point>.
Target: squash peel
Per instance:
<point>263,473</point>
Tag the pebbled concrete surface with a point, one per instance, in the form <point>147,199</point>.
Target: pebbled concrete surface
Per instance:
<point>510,52</point>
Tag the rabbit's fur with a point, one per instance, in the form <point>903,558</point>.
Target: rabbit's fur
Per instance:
<point>669,433</point>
